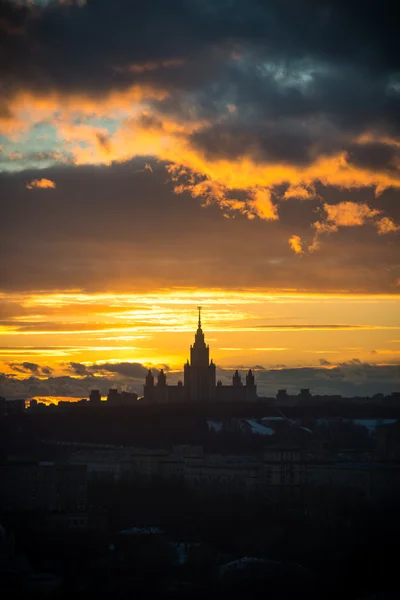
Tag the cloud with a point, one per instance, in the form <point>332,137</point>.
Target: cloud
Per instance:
<point>351,378</point>
<point>126,369</point>
<point>349,214</point>
<point>248,108</point>
<point>300,192</point>
<point>147,167</point>
<point>296,244</point>
<point>237,101</point>
<point>324,363</point>
<point>30,368</point>
<point>386,225</point>
<point>70,253</point>
<point>80,369</point>
<point>345,214</point>
<point>151,66</point>
<point>258,201</point>
<point>40,183</point>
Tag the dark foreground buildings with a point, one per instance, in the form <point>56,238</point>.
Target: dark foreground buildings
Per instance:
<point>199,384</point>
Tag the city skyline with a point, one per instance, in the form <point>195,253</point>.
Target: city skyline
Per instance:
<point>231,155</point>
<point>199,383</point>
<point>325,371</point>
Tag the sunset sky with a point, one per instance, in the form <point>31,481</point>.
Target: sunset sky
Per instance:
<point>156,156</point>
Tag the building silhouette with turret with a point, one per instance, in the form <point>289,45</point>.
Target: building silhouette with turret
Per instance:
<point>199,381</point>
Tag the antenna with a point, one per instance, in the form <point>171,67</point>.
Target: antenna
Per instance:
<point>199,309</point>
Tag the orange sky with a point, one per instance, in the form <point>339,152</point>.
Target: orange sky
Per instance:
<point>242,327</point>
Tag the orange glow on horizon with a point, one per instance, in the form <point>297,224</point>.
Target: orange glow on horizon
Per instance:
<point>243,328</point>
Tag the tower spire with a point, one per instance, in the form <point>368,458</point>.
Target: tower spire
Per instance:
<point>199,309</point>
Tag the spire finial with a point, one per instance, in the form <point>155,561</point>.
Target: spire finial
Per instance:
<point>199,309</point>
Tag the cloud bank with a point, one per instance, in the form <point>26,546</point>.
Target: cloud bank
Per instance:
<point>352,378</point>
<point>245,105</point>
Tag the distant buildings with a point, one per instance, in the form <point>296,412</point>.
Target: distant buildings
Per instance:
<point>278,469</point>
<point>199,380</point>
<point>95,397</point>
<point>11,407</point>
<point>116,398</point>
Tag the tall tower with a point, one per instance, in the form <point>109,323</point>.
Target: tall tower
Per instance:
<point>161,379</point>
<point>199,374</point>
<point>251,388</point>
<point>148,389</point>
<point>199,352</point>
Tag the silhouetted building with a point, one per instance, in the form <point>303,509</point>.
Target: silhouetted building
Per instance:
<point>11,407</point>
<point>304,396</point>
<point>95,397</point>
<point>116,398</point>
<point>199,384</point>
<point>282,396</point>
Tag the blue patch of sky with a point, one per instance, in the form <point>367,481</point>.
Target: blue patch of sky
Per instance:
<point>30,149</point>
<point>41,146</point>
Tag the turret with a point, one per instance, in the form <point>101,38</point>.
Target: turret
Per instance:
<point>250,378</point>
<point>199,352</point>
<point>236,380</point>
<point>149,379</point>
<point>113,396</point>
<point>161,379</point>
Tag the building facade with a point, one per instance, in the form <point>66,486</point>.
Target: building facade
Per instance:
<point>199,382</point>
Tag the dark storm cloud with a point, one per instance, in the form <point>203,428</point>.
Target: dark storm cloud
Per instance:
<point>281,142</point>
<point>298,89</point>
<point>85,49</point>
<point>278,118</point>
<point>292,111</point>
<point>73,48</point>
<point>374,156</point>
<point>79,47</point>
<point>304,78</point>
